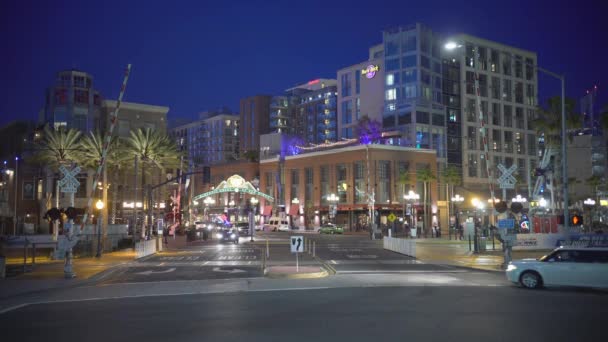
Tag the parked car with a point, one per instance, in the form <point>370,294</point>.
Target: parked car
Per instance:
<point>331,229</point>
<point>243,227</point>
<point>229,235</point>
<point>564,266</point>
<point>258,227</point>
<point>274,222</point>
<point>283,227</point>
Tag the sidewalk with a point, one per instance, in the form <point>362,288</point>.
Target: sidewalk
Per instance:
<point>456,253</point>
<point>48,274</point>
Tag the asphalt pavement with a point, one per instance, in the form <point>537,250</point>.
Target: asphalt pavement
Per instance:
<point>417,313</point>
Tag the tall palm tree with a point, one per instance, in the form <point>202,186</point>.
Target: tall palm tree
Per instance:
<point>404,180</point>
<point>155,150</point>
<point>90,155</point>
<point>58,147</point>
<point>426,175</point>
<point>451,177</point>
<point>549,120</point>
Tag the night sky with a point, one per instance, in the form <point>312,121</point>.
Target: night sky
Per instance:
<point>199,55</point>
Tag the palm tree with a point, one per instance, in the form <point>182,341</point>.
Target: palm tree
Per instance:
<point>56,148</point>
<point>153,149</point>
<point>549,120</point>
<point>451,177</point>
<point>404,180</point>
<point>90,155</point>
<point>425,175</point>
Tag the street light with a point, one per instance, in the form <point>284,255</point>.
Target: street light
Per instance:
<point>543,202</point>
<point>519,199</point>
<point>99,205</point>
<point>254,202</point>
<point>333,200</point>
<point>457,199</point>
<point>413,197</point>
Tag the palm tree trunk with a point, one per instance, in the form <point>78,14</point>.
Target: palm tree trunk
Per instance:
<point>104,222</point>
<point>424,229</point>
<point>143,201</point>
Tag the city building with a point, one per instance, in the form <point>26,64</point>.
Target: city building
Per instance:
<point>312,175</point>
<point>254,120</point>
<point>361,92</point>
<point>133,116</point>
<point>586,159</point>
<point>508,88</point>
<point>210,140</point>
<point>314,117</point>
<point>72,102</point>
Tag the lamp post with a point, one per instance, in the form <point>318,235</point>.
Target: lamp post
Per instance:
<point>99,205</point>
<point>16,189</point>
<point>590,204</point>
<point>333,200</point>
<point>295,202</point>
<point>519,199</point>
<point>479,205</point>
<point>413,197</point>
<point>208,201</point>
<point>254,203</point>
<point>457,199</point>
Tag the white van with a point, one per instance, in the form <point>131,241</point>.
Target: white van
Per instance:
<point>274,223</point>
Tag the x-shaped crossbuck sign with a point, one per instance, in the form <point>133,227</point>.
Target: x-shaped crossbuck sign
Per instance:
<point>69,183</point>
<point>507,174</point>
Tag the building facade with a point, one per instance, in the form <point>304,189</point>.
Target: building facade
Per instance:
<point>72,102</point>
<point>254,120</point>
<point>133,116</point>
<point>508,89</point>
<point>310,177</point>
<point>361,92</point>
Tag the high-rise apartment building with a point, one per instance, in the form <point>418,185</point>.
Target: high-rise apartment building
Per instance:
<point>361,92</point>
<point>72,102</point>
<point>313,114</point>
<point>133,116</point>
<point>508,88</point>
<point>213,139</point>
<point>254,120</point>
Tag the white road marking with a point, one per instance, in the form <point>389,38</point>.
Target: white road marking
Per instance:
<point>15,307</point>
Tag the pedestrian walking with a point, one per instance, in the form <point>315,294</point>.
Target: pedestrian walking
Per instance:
<point>165,234</point>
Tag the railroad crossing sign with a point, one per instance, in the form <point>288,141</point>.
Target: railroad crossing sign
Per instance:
<point>506,180</point>
<point>391,217</point>
<point>69,183</point>
<point>297,244</point>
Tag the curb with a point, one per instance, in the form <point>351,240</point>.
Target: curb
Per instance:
<point>304,275</point>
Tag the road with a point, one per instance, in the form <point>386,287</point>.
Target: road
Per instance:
<point>217,292</point>
<point>417,313</point>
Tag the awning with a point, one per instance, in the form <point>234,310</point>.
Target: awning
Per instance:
<point>294,209</point>
<point>267,210</point>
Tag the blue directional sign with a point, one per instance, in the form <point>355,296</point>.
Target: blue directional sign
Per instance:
<point>506,223</point>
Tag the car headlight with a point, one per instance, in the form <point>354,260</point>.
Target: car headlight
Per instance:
<point>219,236</point>
<point>232,236</point>
<point>511,267</point>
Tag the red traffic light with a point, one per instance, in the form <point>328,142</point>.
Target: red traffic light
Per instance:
<point>576,220</point>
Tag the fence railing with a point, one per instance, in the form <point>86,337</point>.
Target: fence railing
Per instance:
<point>402,246</point>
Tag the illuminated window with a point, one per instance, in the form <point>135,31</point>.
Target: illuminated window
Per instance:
<point>391,94</point>
<point>390,79</point>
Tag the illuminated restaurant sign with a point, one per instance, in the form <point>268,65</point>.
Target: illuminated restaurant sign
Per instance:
<point>370,71</point>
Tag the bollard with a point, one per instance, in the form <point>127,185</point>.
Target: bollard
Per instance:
<point>469,242</point>
<point>267,250</point>
<point>314,248</point>
<point>493,242</point>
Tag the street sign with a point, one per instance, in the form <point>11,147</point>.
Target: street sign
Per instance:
<point>506,179</point>
<point>506,223</point>
<point>297,244</point>
<point>391,217</point>
<point>69,183</point>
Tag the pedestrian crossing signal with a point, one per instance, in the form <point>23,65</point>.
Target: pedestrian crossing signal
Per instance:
<point>576,220</point>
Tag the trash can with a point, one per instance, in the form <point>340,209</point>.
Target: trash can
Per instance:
<point>482,243</point>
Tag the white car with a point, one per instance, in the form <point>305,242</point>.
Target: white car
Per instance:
<point>565,266</point>
<point>283,228</point>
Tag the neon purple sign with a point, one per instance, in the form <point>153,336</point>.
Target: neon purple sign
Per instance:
<point>370,71</point>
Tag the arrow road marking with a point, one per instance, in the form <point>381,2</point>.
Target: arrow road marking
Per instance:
<point>235,270</point>
<point>155,272</point>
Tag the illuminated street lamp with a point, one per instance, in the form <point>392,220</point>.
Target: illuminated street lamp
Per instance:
<point>411,197</point>
<point>542,202</point>
<point>457,199</point>
<point>519,199</point>
<point>99,205</point>
<point>208,201</point>
<point>333,200</point>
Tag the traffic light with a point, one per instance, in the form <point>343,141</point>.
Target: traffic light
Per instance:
<point>576,220</point>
